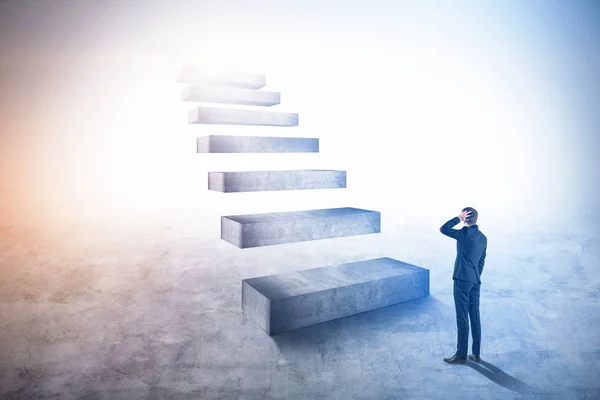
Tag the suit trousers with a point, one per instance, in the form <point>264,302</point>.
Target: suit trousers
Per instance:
<point>466,302</point>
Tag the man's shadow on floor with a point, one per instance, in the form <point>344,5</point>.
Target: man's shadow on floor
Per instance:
<point>500,377</point>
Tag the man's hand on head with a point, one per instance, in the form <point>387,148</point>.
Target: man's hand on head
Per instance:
<point>464,215</point>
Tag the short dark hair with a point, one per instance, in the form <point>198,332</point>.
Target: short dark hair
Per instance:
<point>472,219</point>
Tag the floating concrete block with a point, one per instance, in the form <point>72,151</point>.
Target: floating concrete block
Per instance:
<point>232,116</point>
<point>216,94</point>
<point>256,144</point>
<point>253,181</point>
<point>288,301</point>
<point>190,74</point>
<point>267,229</point>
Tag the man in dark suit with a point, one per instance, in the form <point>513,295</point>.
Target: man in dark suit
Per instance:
<point>471,246</point>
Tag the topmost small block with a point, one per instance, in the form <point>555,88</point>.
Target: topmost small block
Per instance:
<point>230,79</point>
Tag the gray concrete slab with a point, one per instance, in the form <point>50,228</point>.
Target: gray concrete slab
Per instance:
<point>133,312</point>
<point>293,300</point>
<point>256,144</point>
<point>195,74</point>
<point>228,95</point>
<point>256,230</point>
<point>253,181</point>
<point>231,116</point>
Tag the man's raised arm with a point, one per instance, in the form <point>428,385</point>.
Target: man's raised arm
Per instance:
<point>447,230</point>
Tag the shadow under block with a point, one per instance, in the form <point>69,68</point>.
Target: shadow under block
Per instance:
<point>216,94</point>
<point>233,116</point>
<point>256,144</point>
<point>293,300</point>
<point>253,181</point>
<point>191,74</point>
<point>255,230</point>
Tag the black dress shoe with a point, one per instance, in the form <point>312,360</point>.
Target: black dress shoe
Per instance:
<point>474,357</point>
<point>455,360</point>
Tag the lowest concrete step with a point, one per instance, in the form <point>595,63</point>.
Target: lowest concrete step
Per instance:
<point>216,94</point>
<point>267,229</point>
<point>256,144</point>
<point>253,181</point>
<point>288,301</point>
<point>190,74</point>
<point>232,116</point>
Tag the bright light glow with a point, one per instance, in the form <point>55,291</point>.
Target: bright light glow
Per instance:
<point>425,117</point>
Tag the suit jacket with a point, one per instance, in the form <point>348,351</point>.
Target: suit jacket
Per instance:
<point>471,246</point>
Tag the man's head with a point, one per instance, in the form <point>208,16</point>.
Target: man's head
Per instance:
<point>472,218</point>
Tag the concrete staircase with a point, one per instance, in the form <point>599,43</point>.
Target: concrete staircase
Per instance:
<point>253,181</point>
<point>256,144</point>
<point>254,230</point>
<point>229,116</point>
<point>227,95</point>
<point>283,302</point>
<point>196,75</point>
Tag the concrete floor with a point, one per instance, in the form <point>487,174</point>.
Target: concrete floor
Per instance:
<point>92,312</point>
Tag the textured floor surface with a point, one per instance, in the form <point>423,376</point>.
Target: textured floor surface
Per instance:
<point>149,313</point>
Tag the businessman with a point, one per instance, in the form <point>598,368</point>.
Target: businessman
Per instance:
<point>471,246</point>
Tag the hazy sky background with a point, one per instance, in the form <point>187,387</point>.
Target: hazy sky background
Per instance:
<point>430,106</point>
